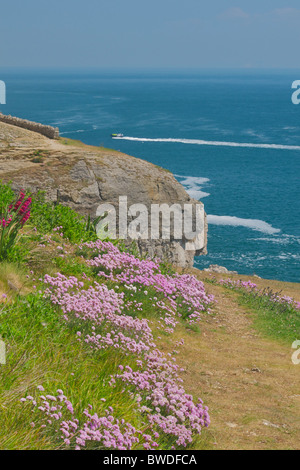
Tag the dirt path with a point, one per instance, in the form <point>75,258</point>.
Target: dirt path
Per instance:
<point>250,384</point>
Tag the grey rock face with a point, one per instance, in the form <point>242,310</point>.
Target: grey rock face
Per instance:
<point>84,177</point>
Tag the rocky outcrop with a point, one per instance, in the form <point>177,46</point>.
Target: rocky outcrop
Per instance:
<point>214,268</point>
<point>85,177</point>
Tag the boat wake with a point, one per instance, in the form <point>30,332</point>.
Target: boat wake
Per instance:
<point>213,143</point>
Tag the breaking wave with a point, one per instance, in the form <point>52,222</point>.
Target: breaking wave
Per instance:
<point>193,186</point>
<point>254,224</point>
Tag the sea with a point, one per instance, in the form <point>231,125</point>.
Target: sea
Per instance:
<point>230,137</point>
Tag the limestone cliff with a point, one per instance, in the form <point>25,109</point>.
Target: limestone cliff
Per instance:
<point>83,177</point>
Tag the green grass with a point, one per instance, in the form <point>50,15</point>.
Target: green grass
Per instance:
<point>274,320</point>
<point>41,349</point>
<point>80,144</point>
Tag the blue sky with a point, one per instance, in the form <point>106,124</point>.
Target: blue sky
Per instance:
<point>156,33</point>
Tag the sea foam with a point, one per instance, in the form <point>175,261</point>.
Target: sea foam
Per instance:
<point>193,186</point>
<point>253,224</point>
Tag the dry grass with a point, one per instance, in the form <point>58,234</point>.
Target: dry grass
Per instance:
<point>12,281</point>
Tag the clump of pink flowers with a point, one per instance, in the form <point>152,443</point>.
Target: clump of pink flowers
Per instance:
<point>248,285</point>
<point>12,220</point>
<point>111,319</point>
<point>180,295</point>
<point>252,287</point>
<point>55,414</point>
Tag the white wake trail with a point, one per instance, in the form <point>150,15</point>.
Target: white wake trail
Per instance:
<point>253,224</point>
<point>214,143</point>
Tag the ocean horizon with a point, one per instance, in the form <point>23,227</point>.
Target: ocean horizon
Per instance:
<point>231,138</point>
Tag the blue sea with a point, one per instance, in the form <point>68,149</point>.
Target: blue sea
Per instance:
<point>231,138</point>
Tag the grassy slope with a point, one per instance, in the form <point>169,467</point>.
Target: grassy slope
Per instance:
<point>41,348</point>
<point>239,362</point>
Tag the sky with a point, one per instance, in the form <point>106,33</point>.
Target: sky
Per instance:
<point>150,33</point>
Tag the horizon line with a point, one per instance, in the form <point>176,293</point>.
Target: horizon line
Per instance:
<point>154,68</point>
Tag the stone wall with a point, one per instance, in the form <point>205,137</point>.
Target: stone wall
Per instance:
<point>48,131</point>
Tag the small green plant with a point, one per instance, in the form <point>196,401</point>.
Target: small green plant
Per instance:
<point>48,215</point>
<point>37,160</point>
